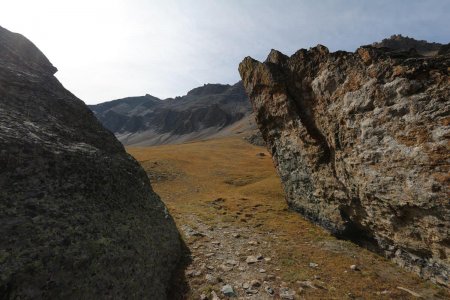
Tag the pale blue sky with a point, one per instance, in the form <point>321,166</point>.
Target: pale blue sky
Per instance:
<point>108,49</point>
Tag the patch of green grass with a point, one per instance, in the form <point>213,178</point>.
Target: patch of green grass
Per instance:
<point>294,275</point>
<point>207,289</point>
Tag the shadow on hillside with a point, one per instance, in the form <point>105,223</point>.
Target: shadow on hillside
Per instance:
<point>179,287</point>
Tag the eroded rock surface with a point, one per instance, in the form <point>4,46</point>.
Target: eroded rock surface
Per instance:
<point>78,217</point>
<point>361,143</point>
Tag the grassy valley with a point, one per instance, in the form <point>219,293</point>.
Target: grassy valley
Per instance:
<point>228,202</point>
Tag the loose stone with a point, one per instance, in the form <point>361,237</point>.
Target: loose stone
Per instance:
<point>228,291</point>
<point>269,290</point>
<point>255,283</point>
<point>251,259</point>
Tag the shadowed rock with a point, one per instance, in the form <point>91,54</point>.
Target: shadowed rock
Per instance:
<point>361,142</point>
<point>78,217</point>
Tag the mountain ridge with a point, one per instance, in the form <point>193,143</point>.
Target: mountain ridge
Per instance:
<point>399,42</point>
<point>210,110</point>
<point>203,112</point>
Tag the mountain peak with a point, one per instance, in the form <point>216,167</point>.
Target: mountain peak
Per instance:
<point>399,42</point>
<point>208,89</point>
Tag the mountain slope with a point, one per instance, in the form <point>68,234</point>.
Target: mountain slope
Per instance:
<point>204,112</point>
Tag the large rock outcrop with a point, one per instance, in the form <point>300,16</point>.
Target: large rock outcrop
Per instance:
<point>361,143</point>
<point>78,217</point>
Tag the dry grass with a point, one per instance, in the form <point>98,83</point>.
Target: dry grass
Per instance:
<point>230,168</point>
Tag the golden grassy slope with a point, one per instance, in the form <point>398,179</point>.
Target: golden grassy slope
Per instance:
<point>189,176</point>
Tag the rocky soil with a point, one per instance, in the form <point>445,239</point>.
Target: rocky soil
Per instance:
<point>244,243</point>
<point>78,217</point>
<point>361,143</point>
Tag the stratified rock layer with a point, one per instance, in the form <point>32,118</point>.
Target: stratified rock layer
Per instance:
<point>78,217</point>
<point>361,143</point>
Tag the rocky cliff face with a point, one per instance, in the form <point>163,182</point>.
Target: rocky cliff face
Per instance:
<point>397,42</point>
<point>203,112</point>
<point>78,217</point>
<point>361,143</point>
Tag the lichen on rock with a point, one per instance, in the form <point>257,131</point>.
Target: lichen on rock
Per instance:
<point>78,217</point>
<point>361,143</point>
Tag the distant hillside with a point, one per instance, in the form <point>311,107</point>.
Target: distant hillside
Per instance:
<point>206,111</point>
<point>404,43</point>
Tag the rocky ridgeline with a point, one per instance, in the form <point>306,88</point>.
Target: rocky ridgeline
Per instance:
<point>397,42</point>
<point>361,143</point>
<point>78,217</point>
<point>204,112</point>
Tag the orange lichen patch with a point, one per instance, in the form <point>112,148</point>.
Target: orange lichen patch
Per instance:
<point>443,178</point>
<point>438,155</point>
<point>353,83</point>
<point>373,73</point>
<point>398,70</point>
<point>365,55</point>
<point>445,121</point>
<point>416,136</point>
<point>406,140</point>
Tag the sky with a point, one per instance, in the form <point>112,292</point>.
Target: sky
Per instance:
<point>110,49</point>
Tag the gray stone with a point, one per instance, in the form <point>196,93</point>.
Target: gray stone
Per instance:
<point>211,279</point>
<point>287,294</point>
<point>77,210</point>
<point>251,291</point>
<point>251,259</point>
<point>231,262</point>
<point>269,290</point>
<point>225,268</point>
<point>228,291</point>
<point>255,283</point>
<point>306,284</point>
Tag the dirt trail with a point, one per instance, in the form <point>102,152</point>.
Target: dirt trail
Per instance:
<point>228,203</point>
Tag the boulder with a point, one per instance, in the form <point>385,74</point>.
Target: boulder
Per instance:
<point>78,217</point>
<point>361,143</point>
